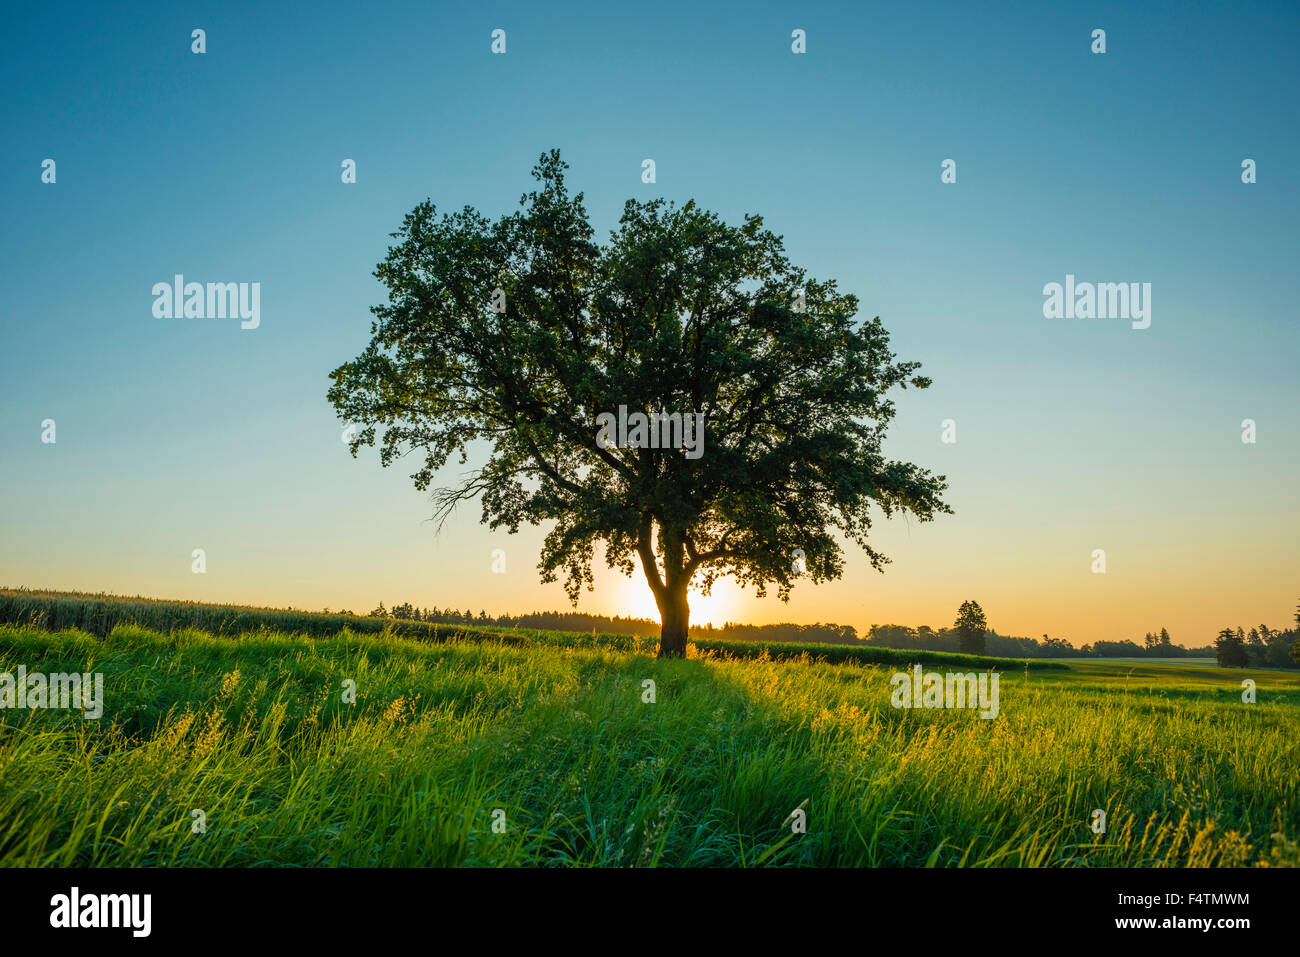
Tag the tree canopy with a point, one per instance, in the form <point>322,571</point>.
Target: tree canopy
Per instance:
<point>1230,650</point>
<point>521,333</point>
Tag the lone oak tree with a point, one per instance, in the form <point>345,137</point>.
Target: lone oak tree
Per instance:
<point>679,313</point>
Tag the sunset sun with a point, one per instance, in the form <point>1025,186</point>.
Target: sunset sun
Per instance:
<point>722,604</point>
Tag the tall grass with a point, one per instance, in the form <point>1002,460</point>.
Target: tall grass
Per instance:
<point>252,730</point>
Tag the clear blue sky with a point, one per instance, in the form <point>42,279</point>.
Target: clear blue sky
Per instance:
<point>1072,434</point>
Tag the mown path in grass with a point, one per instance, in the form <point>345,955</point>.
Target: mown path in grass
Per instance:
<point>560,749</point>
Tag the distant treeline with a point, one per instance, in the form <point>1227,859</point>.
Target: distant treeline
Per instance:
<point>826,634</point>
<point>645,627</point>
<point>1263,646</point>
<point>100,614</point>
<point>945,639</point>
<point>926,638</point>
<point>1260,647</point>
<point>547,620</point>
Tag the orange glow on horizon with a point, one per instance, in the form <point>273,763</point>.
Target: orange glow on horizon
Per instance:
<point>723,604</point>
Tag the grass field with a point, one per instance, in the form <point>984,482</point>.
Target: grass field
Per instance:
<point>1169,662</point>
<point>555,742</point>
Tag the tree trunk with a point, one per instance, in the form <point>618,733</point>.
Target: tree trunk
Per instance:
<point>670,589</point>
<point>675,616</point>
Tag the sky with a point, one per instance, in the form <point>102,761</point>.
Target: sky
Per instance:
<point>1072,435</point>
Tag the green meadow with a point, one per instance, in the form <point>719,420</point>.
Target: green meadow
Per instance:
<point>479,750</point>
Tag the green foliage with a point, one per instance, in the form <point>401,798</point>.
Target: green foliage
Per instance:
<point>680,313</point>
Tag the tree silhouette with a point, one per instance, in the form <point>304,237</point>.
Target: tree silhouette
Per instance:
<point>521,333</point>
<point>1230,650</point>
<point>1295,647</point>
<point>971,627</point>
